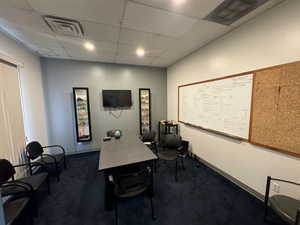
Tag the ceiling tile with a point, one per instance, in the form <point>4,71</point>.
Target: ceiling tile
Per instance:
<point>144,39</point>
<point>100,32</point>
<point>52,52</point>
<point>166,31</point>
<point>131,50</point>
<point>193,8</point>
<point>148,19</point>
<point>28,20</point>
<point>205,31</point>
<point>163,62</point>
<point>182,46</point>
<point>75,48</point>
<point>134,37</point>
<point>172,55</point>
<point>161,65</point>
<point>102,11</point>
<point>35,38</point>
<point>134,60</point>
<point>19,4</point>
<point>94,59</point>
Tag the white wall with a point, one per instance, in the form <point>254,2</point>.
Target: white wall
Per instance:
<point>60,76</point>
<point>271,39</point>
<point>31,88</point>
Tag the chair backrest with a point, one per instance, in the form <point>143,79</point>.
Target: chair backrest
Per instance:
<point>34,150</point>
<point>7,171</point>
<point>185,147</point>
<point>148,136</point>
<point>172,141</point>
<point>133,181</point>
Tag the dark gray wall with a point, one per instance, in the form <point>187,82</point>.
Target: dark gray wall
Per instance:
<point>59,76</point>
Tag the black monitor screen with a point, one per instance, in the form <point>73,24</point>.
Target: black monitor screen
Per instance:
<point>116,98</point>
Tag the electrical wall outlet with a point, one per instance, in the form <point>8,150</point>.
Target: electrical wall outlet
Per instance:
<point>276,188</point>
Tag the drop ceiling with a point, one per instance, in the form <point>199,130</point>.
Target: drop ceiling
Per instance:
<point>168,30</point>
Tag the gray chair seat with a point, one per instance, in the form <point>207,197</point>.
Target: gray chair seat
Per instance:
<point>13,209</point>
<point>286,207</point>
<point>49,160</point>
<point>35,180</point>
<point>131,192</point>
<point>167,154</point>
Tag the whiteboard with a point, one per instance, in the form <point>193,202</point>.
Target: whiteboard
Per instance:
<point>222,105</point>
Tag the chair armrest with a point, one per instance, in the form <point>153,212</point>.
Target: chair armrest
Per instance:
<point>149,170</point>
<point>180,149</point>
<point>16,183</point>
<point>32,164</point>
<point>51,156</point>
<point>111,179</point>
<point>269,180</point>
<point>24,183</point>
<point>56,146</point>
<point>285,181</point>
<point>20,165</point>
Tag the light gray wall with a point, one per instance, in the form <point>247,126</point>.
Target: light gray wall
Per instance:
<point>59,76</point>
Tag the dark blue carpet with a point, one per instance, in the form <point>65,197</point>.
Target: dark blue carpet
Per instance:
<point>201,197</point>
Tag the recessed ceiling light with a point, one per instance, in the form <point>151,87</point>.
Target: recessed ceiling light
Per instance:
<point>140,52</point>
<point>89,46</point>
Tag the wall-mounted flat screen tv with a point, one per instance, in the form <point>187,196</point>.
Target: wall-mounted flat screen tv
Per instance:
<point>116,98</point>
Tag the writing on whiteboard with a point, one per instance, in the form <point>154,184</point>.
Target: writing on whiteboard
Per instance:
<point>222,105</point>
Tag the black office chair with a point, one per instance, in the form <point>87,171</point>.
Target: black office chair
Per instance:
<point>31,183</point>
<point>148,138</point>
<point>35,152</point>
<point>183,151</point>
<point>132,184</point>
<point>23,187</point>
<point>287,208</point>
<point>170,150</point>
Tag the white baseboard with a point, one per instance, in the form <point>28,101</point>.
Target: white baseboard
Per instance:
<point>230,178</point>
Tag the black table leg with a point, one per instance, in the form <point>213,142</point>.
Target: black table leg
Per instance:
<point>108,198</point>
<point>152,177</point>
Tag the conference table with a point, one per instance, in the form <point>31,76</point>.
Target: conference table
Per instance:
<point>115,153</point>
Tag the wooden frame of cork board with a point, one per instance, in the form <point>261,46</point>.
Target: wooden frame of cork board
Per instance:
<point>275,108</point>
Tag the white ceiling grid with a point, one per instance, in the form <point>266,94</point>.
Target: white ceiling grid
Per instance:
<point>167,30</point>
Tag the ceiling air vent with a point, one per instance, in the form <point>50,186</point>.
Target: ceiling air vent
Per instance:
<point>63,26</point>
<point>229,11</point>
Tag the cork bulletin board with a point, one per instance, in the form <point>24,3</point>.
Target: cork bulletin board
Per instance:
<point>275,114</point>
